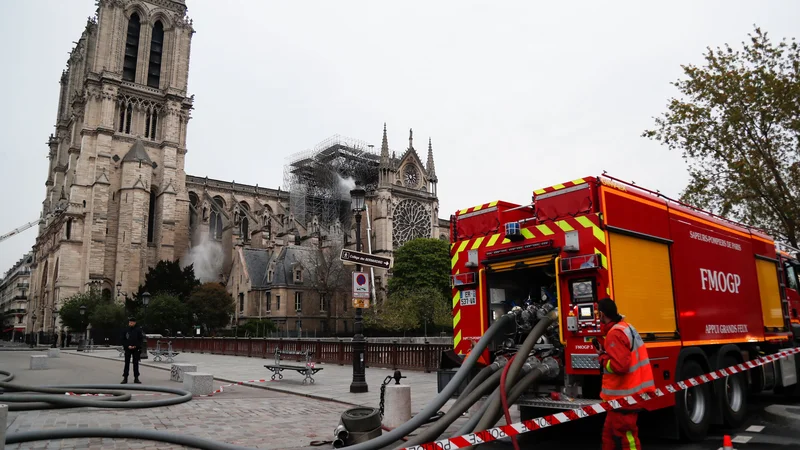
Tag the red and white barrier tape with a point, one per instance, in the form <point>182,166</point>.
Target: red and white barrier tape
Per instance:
<point>514,429</point>
<point>238,383</point>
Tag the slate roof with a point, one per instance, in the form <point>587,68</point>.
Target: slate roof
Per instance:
<point>137,153</point>
<point>257,261</point>
<point>288,259</point>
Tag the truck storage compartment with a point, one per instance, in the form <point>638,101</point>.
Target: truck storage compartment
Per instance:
<point>771,309</point>
<point>642,283</point>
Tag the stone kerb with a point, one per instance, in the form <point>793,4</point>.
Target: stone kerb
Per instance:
<point>198,383</point>
<point>177,371</point>
<point>38,362</point>
<point>53,352</point>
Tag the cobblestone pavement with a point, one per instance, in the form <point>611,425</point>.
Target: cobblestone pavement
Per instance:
<point>241,415</point>
<point>332,383</point>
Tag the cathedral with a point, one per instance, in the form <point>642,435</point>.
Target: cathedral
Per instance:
<point>118,199</point>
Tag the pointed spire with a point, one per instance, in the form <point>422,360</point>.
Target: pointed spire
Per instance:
<point>430,167</point>
<point>410,139</point>
<point>385,162</point>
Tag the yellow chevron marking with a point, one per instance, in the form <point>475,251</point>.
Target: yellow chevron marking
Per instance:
<point>464,211</point>
<point>463,246</point>
<point>493,240</point>
<point>544,229</point>
<point>527,233</point>
<point>477,208</point>
<point>456,298</point>
<point>477,243</point>
<point>596,231</point>
<point>539,191</point>
<point>457,339</point>
<point>603,261</point>
<point>559,186</point>
<point>564,225</point>
<point>578,181</point>
<point>506,241</point>
<point>453,260</point>
<point>494,203</point>
<point>457,318</point>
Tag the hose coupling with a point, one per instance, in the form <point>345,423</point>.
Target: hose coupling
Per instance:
<point>550,367</point>
<point>341,432</point>
<point>531,363</point>
<point>500,362</point>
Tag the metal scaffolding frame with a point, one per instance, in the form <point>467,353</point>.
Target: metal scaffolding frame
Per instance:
<point>319,180</point>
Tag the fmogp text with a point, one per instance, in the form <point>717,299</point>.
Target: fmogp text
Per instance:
<point>715,280</point>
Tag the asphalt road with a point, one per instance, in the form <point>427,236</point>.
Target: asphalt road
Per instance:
<point>761,431</point>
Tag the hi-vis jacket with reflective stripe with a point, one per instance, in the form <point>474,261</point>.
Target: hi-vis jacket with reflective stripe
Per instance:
<point>626,366</point>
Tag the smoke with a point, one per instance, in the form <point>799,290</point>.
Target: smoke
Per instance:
<point>207,259</point>
<point>345,186</point>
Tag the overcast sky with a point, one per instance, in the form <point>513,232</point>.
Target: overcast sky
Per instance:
<point>516,95</point>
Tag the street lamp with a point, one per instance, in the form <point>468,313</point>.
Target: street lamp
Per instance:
<point>145,302</point>
<point>54,310</point>
<point>359,383</point>
<point>83,330</point>
<point>33,328</point>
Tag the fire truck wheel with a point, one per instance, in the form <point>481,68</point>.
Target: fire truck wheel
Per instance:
<point>693,406</point>
<point>733,395</point>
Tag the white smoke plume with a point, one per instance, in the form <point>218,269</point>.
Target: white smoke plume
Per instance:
<point>345,186</point>
<point>207,259</point>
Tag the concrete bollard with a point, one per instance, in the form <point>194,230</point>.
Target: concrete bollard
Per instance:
<point>53,353</point>
<point>38,362</point>
<point>198,383</point>
<point>397,405</point>
<point>177,371</point>
<point>3,425</point>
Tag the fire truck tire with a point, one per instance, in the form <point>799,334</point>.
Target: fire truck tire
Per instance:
<point>733,395</point>
<point>361,419</point>
<point>693,406</point>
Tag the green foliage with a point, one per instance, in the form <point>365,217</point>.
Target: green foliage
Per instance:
<point>256,328</point>
<point>70,315</point>
<point>737,124</point>
<point>212,304</point>
<point>422,263</point>
<point>412,309</point>
<point>108,316</point>
<point>166,312</point>
<point>167,277</point>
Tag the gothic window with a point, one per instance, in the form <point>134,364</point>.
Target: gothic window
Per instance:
<point>121,127</point>
<point>268,305</point>
<point>128,115</point>
<point>131,49</point>
<point>150,124</point>
<point>156,46</point>
<point>410,221</point>
<point>245,229</point>
<point>69,228</point>
<point>151,218</point>
<point>195,202</point>
<point>298,301</point>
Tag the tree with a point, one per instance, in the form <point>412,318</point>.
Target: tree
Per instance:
<point>737,124</point>
<point>422,263</point>
<point>107,316</point>
<point>167,312</point>
<point>412,309</point>
<point>256,328</point>
<point>167,277</point>
<point>332,277</point>
<point>70,313</point>
<point>212,304</point>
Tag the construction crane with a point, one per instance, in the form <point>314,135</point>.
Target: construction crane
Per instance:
<point>19,230</point>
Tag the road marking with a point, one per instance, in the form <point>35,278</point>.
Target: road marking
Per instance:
<point>755,429</point>
<point>742,439</point>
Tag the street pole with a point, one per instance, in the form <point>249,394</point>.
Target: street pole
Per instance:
<point>359,383</point>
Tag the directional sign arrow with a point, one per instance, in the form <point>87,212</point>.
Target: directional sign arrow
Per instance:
<point>366,259</point>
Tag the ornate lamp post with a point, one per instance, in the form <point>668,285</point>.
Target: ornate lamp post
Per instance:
<point>33,329</point>
<point>81,342</point>
<point>145,302</point>
<point>359,383</point>
<point>54,310</point>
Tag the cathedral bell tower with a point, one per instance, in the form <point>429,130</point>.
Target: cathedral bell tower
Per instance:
<point>116,200</point>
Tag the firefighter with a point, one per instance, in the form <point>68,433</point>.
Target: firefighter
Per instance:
<point>626,371</point>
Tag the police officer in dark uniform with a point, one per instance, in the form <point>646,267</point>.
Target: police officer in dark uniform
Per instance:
<point>132,341</point>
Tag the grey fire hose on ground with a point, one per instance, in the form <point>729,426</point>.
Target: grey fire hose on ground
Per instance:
<point>398,433</point>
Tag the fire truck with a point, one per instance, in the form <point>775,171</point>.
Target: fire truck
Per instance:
<point>704,293</point>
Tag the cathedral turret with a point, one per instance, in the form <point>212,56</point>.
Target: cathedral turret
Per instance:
<point>430,168</point>
<point>386,168</point>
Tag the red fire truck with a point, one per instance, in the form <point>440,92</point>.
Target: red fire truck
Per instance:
<point>704,293</point>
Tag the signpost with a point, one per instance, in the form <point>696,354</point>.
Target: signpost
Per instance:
<point>366,259</point>
<point>360,290</point>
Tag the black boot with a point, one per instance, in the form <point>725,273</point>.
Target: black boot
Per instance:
<point>124,380</point>
<point>136,381</point>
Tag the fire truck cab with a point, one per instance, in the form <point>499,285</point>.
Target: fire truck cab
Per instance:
<point>704,292</point>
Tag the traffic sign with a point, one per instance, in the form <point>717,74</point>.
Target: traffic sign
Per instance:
<point>365,259</point>
<point>360,285</point>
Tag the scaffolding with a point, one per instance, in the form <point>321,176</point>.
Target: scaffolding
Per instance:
<point>319,180</point>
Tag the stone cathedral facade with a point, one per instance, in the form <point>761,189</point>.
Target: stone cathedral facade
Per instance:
<point>118,200</point>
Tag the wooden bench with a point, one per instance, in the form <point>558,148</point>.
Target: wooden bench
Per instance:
<point>308,370</point>
<point>167,354</point>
